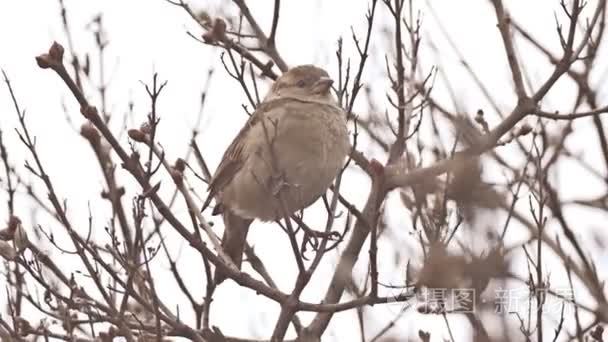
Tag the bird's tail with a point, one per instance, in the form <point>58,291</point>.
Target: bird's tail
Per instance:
<point>233,241</point>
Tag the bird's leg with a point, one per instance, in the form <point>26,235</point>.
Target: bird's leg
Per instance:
<point>313,232</point>
<point>277,183</point>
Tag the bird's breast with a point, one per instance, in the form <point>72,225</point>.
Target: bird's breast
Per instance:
<point>303,148</point>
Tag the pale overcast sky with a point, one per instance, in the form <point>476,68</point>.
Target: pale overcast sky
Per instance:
<point>150,35</point>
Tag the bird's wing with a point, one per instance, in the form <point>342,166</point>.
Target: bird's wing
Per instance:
<point>234,158</point>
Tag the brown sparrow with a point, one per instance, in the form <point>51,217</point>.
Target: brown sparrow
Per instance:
<point>294,144</point>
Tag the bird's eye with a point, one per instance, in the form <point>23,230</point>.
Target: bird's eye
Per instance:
<point>301,83</point>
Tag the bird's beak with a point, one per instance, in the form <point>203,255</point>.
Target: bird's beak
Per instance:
<point>322,85</point>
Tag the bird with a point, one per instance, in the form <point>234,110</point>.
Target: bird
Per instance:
<point>284,158</point>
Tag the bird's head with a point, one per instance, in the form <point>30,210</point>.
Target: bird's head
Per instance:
<point>306,82</point>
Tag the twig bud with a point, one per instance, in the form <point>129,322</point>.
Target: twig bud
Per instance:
<point>89,112</point>
<point>56,52</point>
<point>177,176</point>
<point>137,135</point>
<point>180,165</point>
<point>51,59</point>
<point>89,132</point>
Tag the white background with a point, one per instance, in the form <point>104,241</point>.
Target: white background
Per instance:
<point>147,36</point>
